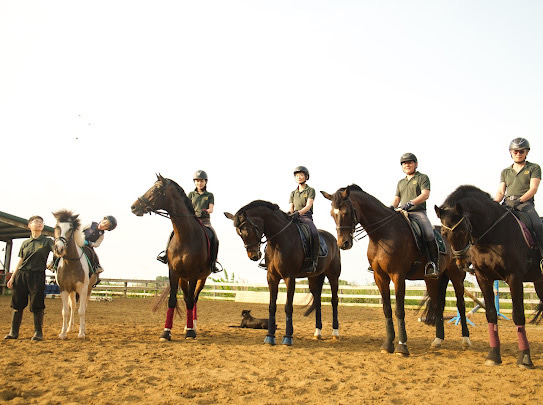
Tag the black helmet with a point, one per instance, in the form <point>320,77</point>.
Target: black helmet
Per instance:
<point>406,157</point>
<point>302,169</point>
<point>112,222</point>
<point>199,175</point>
<point>519,143</point>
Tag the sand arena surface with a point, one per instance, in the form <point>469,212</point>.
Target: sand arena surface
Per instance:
<point>122,361</point>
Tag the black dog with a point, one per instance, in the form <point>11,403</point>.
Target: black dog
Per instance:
<point>248,321</point>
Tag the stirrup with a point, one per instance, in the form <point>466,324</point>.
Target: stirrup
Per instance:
<point>262,264</point>
<point>163,257</point>
<point>214,268</point>
<point>430,270</point>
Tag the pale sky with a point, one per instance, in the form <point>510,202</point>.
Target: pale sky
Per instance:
<point>98,96</point>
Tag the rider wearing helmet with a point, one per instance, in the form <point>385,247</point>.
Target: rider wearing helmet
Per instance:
<point>94,235</point>
<point>411,195</point>
<point>301,205</point>
<point>518,185</point>
<point>203,202</point>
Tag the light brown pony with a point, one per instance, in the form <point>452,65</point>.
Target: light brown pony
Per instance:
<point>73,270</point>
<point>393,255</point>
<point>188,251</point>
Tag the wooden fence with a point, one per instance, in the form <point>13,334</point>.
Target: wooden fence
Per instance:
<point>349,295</point>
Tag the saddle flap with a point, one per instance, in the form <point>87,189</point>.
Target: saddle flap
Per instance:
<point>305,236</point>
<point>525,225</point>
<point>416,230</point>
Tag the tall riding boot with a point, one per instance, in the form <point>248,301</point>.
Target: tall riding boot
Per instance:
<point>214,252</point>
<point>16,319</point>
<point>314,254</point>
<point>38,326</point>
<point>539,243</point>
<point>163,256</point>
<point>432,267</point>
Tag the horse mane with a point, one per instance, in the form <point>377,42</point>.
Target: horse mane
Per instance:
<point>261,203</point>
<point>466,191</point>
<point>353,187</point>
<point>65,215</point>
<point>186,200</point>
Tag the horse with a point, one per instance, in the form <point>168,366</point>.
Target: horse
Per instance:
<point>73,271</point>
<point>393,255</point>
<point>188,251</point>
<point>285,260</point>
<point>488,235</point>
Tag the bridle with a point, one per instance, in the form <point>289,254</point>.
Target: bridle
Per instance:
<point>65,242</point>
<point>356,229</point>
<point>260,239</point>
<point>149,204</point>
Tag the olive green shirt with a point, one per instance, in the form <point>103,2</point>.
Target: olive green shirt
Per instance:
<point>518,184</point>
<point>201,201</point>
<point>34,253</point>
<point>407,190</point>
<point>299,198</point>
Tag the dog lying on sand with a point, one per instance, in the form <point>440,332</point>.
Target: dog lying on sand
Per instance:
<point>248,321</point>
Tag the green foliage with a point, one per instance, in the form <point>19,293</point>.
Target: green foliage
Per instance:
<point>224,278</point>
<point>162,278</point>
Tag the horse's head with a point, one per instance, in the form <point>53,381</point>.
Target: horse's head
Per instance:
<point>67,227</point>
<point>153,199</point>
<point>344,215</point>
<point>455,226</point>
<point>250,231</point>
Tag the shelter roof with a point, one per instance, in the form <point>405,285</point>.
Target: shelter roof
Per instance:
<point>14,227</point>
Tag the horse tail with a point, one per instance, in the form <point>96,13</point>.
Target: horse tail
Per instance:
<point>311,308</point>
<point>538,314</point>
<point>158,301</point>
<point>428,314</point>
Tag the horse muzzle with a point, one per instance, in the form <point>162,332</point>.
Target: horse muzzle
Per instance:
<point>345,244</point>
<point>138,209</point>
<point>60,248</point>
<point>254,255</point>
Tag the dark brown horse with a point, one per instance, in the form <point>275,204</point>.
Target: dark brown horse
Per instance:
<point>285,258</point>
<point>393,255</point>
<point>486,234</point>
<point>188,253</point>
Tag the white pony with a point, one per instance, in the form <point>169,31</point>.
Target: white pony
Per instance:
<point>73,270</point>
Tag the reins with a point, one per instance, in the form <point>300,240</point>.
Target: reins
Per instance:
<point>356,229</point>
<point>65,241</point>
<point>256,232</point>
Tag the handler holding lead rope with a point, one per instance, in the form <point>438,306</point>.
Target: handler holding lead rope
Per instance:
<point>519,183</point>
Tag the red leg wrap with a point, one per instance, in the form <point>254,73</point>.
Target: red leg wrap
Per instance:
<point>522,339</point>
<point>169,318</point>
<point>493,335</point>
<point>190,321</point>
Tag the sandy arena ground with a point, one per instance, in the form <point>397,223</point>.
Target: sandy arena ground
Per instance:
<point>122,361</point>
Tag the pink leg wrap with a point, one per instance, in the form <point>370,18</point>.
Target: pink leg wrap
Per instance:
<point>493,335</point>
<point>522,339</point>
<point>190,320</point>
<point>195,317</point>
<point>169,318</point>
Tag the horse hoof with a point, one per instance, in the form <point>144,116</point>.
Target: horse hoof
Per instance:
<point>166,336</point>
<point>336,338</point>
<point>524,360</point>
<point>287,340</point>
<point>466,343</point>
<point>62,337</point>
<point>81,336</point>
<point>270,340</point>
<point>387,347</point>
<point>493,358</point>
<point>491,363</point>
<point>317,337</point>
<point>401,350</point>
<point>436,344</point>
<point>190,334</point>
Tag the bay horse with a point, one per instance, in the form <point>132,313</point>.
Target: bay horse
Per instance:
<point>285,258</point>
<point>188,250</point>
<point>487,234</point>
<point>73,270</point>
<point>393,255</point>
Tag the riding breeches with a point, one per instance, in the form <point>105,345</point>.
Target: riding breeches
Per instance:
<point>425,224</point>
<point>308,220</point>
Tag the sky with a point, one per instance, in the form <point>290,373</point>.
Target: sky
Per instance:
<point>98,96</point>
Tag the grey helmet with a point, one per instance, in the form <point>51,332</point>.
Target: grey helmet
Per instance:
<point>112,221</point>
<point>200,175</point>
<point>519,143</point>
<point>302,169</point>
<point>406,157</point>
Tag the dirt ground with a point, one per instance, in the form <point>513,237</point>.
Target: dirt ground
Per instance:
<point>122,361</point>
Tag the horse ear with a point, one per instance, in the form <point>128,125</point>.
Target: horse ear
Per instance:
<point>347,192</point>
<point>438,211</point>
<point>229,216</point>
<point>326,195</point>
<point>459,209</point>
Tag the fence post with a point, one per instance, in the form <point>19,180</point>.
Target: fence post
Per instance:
<point>125,289</point>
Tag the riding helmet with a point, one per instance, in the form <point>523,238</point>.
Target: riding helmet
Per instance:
<point>200,175</point>
<point>519,143</point>
<point>406,157</point>
<point>302,169</point>
<point>112,222</point>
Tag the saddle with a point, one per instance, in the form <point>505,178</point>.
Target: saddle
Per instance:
<point>92,258</point>
<point>526,227</point>
<point>416,230</point>
<point>305,236</point>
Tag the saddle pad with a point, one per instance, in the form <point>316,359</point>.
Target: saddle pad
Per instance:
<point>416,231</point>
<point>522,220</point>
<point>305,235</point>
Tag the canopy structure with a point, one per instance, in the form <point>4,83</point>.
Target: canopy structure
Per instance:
<point>14,227</point>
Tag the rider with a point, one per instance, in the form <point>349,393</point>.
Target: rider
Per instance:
<point>203,202</point>
<point>301,205</point>
<point>519,183</point>
<point>411,195</point>
<point>94,235</point>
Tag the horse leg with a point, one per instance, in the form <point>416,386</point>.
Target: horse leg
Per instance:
<point>166,335</point>
<point>188,294</point>
<point>65,314</point>
<point>290,283</point>
<point>73,305</point>
<point>315,286</point>
<point>383,283</point>
<point>334,284</point>
<point>493,357</point>
<point>437,289</point>
<point>401,347</point>
<point>199,287</point>
<point>458,284</point>
<point>81,311</point>
<point>273,285</point>
<point>517,296</point>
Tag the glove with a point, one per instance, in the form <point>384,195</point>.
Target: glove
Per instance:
<point>295,215</point>
<point>407,206</point>
<point>86,242</point>
<point>392,207</point>
<point>515,203</point>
